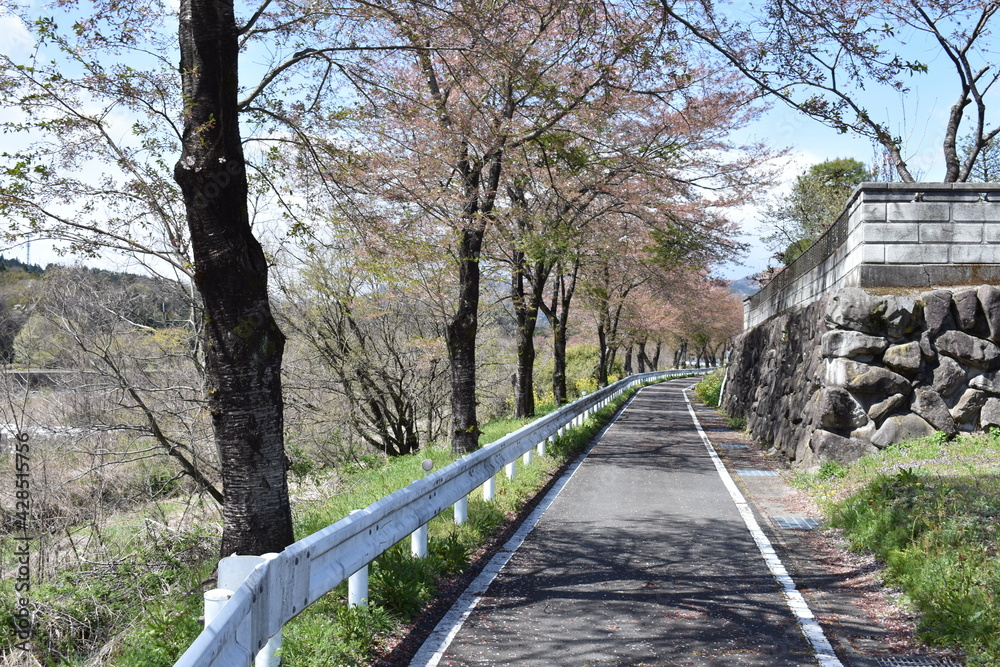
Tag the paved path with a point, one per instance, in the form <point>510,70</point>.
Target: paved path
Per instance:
<point>643,559</point>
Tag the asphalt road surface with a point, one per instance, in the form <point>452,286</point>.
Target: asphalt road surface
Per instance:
<point>642,559</point>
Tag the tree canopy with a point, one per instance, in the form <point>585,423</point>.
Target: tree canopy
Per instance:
<point>822,58</point>
<point>816,199</point>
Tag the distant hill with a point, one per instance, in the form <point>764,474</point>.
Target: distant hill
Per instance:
<point>15,264</point>
<point>743,287</point>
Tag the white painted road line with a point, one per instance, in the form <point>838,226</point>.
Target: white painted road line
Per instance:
<point>807,621</point>
<point>434,647</point>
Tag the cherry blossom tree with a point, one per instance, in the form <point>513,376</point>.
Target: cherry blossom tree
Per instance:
<point>439,123</point>
<point>659,160</point>
<point>111,147</point>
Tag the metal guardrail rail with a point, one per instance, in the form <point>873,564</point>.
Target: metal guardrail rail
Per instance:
<point>281,587</point>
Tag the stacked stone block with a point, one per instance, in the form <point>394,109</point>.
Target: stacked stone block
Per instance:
<point>912,235</point>
<point>854,372</point>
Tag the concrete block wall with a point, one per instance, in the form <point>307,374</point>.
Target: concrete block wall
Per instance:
<point>894,235</point>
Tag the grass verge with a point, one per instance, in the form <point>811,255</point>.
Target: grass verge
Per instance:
<point>930,510</point>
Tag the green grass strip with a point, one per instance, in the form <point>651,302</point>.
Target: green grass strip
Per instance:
<point>930,510</point>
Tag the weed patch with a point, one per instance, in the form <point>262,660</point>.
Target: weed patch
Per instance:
<point>334,634</point>
<point>930,510</point>
<point>735,423</point>
<point>709,389</point>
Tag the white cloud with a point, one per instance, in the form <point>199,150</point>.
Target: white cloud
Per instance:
<point>15,40</point>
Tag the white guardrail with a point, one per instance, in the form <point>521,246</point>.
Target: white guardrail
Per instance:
<point>284,584</point>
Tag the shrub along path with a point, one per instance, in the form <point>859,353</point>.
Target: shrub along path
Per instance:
<point>643,559</point>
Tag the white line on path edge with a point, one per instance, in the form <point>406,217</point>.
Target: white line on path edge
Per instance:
<point>433,648</point>
<point>807,621</point>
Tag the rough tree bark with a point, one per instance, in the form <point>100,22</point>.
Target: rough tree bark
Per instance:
<point>558,313</point>
<point>461,338</point>
<point>460,332</point>
<point>243,344</point>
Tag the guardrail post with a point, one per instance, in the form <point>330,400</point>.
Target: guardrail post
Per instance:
<point>526,458</point>
<point>540,447</point>
<point>511,469</point>
<point>357,585</point>
<point>268,656</point>
<point>215,599</point>
<point>418,539</point>
<point>461,509</point>
<point>489,489</point>
<point>418,542</point>
<point>233,571</point>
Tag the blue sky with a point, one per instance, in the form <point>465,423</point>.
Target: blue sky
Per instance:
<point>918,117</point>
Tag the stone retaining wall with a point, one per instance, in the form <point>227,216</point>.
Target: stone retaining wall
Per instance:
<point>855,371</point>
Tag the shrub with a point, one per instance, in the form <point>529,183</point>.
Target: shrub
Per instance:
<point>709,389</point>
<point>831,469</point>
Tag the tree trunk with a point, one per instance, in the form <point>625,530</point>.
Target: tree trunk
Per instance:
<point>655,362</point>
<point>524,391</point>
<point>681,355</point>
<point>526,307</point>
<point>642,356</point>
<point>602,360</point>
<point>628,361</point>
<point>243,344</point>
<point>558,313</point>
<point>461,337</point>
<point>559,362</point>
